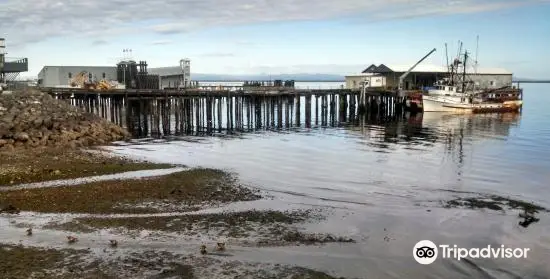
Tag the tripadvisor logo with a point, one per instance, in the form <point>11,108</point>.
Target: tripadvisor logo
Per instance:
<point>426,252</point>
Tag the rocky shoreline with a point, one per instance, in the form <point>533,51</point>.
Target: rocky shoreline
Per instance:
<point>44,139</point>
<point>31,119</point>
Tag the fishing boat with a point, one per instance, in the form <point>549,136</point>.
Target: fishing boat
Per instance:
<point>449,98</point>
<point>458,94</point>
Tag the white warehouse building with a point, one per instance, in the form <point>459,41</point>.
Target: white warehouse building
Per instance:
<point>60,76</point>
<point>175,76</point>
<point>423,75</point>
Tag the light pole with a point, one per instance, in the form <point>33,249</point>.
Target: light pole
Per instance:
<point>124,66</point>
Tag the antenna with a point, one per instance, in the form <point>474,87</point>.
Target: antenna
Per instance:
<point>460,50</point>
<point>127,54</point>
<point>477,49</point>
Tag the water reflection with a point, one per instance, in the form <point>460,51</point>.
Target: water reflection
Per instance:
<point>391,174</point>
<point>215,116</point>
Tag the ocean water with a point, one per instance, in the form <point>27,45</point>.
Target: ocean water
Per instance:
<point>299,84</point>
<point>386,182</point>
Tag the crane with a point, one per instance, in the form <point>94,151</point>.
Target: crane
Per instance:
<point>403,76</point>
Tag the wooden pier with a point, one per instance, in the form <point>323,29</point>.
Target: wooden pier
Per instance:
<point>218,109</point>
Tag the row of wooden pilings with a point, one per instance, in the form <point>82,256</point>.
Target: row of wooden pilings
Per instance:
<point>180,115</point>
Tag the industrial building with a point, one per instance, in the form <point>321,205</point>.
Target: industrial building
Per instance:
<point>62,76</point>
<point>136,76</point>
<point>176,76</point>
<point>387,77</point>
<point>10,68</point>
<point>127,73</point>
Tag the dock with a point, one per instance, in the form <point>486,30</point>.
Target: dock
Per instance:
<point>211,109</point>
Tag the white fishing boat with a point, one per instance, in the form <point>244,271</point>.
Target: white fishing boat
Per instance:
<point>446,98</point>
<point>458,94</point>
<point>469,102</point>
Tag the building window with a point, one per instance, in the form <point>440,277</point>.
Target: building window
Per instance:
<point>492,83</point>
<point>103,75</point>
<point>70,75</point>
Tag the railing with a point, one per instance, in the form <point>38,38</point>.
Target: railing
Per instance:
<point>15,65</point>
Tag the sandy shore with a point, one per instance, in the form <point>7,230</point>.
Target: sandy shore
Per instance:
<point>47,163</point>
<point>159,209</point>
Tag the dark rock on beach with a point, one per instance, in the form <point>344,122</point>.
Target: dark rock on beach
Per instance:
<point>30,119</point>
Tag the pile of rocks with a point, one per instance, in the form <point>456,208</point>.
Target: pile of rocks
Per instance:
<point>31,119</point>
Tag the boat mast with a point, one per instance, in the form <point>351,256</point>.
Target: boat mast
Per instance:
<point>447,56</point>
<point>464,73</point>
<point>456,62</point>
<point>477,52</point>
<point>475,66</point>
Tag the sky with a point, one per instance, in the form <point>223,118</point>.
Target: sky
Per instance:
<point>282,36</point>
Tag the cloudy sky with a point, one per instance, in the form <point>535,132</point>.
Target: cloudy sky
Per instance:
<point>282,36</point>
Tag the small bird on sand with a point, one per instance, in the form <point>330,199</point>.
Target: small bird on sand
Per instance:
<point>203,249</point>
<point>29,231</point>
<point>221,246</point>
<point>113,243</point>
<point>72,239</point>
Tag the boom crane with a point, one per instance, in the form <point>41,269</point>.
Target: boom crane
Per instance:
<point>403,76</point>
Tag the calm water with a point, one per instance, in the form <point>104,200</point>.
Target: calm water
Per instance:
<point>386,179</point>
<point>299,84</point>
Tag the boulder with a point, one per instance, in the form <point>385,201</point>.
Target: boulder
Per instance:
<point>21,136</point>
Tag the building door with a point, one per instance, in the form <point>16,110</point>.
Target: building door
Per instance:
<point>406,85</point>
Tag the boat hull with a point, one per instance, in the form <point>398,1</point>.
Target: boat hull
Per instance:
<point>431,104</point>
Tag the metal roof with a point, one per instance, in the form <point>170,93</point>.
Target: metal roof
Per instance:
<point>364,75</point>
<point>427,68</point>
<point>165,71</point>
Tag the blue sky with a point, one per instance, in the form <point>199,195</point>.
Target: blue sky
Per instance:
<point>247,37</point>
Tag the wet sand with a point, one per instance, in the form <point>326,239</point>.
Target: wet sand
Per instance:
<point>44,164</point>
<point>21,263</point>
<point>158,221</point>
<point>272,229</point>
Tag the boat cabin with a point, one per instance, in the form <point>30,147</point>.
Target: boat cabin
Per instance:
<point>447,88</point>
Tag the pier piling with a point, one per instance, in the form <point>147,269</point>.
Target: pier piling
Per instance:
<point>159,113</point>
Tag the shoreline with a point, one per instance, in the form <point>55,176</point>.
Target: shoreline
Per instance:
<point>46,164</point>
<point>177,194</point>
<point>158,238</point>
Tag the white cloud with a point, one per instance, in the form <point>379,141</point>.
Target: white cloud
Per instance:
<point>28,21</point>
<point>161,42</point>
<point>99,42</point>
<point>332,69</point>
<point>217,54</point>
